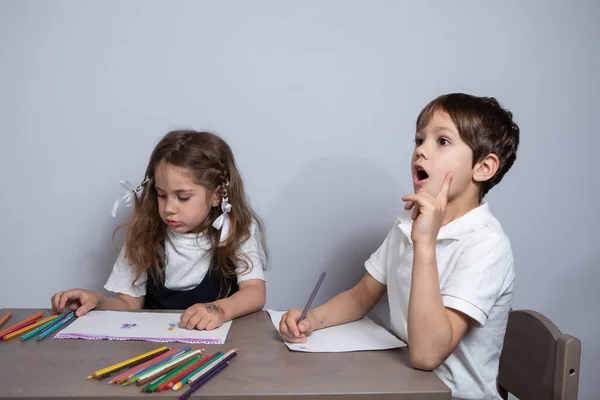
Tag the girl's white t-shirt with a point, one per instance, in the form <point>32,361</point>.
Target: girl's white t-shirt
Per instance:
<point>188,261</point>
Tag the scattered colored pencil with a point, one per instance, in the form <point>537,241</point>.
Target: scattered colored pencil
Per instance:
<point>54,327</point>
<point>129,365</point>
<point>17,329</point>
<point>190,370</point>
<point>226,357</point>
<point>21,324</point>
<point>166,368</point>
<point>163,379</point>
<point>213,359</point>
<point>136,376</point>
<point>158,351</point>
<point>169,368</point>
<point>40,328</point>
<point>30,327</point>
<point>5,318</point>
<point>204,379</point>
<point>123,377</point>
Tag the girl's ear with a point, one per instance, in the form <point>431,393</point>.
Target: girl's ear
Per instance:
<point>216,197</point>
<point>485,169</point>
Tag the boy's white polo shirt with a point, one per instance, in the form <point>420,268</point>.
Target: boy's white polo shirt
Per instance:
<point>475,266</point>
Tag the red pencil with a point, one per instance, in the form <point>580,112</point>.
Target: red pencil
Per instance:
<point>21,324</point>
<point>196,368</point>
<point>181,374</point>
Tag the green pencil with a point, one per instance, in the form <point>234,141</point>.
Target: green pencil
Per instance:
<point>151,387</point>
<point>188,376</point>
<point>40,328</point>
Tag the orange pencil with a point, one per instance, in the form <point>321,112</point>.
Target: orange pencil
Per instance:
<point>5,318</point>
<point>29,327</point>
<point>21,324</point>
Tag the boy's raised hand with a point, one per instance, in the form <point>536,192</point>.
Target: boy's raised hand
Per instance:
<point>428,212</point>
<point>292,331</point>
<point>76,299</point>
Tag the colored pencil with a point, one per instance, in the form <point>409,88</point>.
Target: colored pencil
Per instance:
<point>312,297</point>
<point>123,377</point>
<point>21,324</point>
<point>30,327</point>
<point>41,329</point>
<point>154,367</point>
<point>166,368</point>
<point>201,382</point>
<point>204,360</point>
<point>213,359</point>
<point>18,329</point>
<point>164,379</point>
<point>5,318</point>
<point>128,365</point>
<point>226,357</point>
<point>109,368</point>
<point>54,327</point>
<point>190,368</point>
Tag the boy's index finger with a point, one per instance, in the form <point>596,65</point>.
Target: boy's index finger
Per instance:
<point>445,190</point>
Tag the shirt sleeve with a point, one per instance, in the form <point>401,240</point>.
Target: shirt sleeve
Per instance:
<point>254,255</point>
<point>376,264</point>
<point>483,271</point>
<point>122,278</point>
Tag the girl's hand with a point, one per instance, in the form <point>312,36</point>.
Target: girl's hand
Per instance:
<point>203,316</point>
<point>76,299</point>
<point>428,213</point>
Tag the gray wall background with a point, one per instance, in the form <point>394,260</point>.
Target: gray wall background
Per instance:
<point>318,100</point>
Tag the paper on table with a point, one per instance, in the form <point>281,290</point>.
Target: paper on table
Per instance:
<point>152,327</point>
<point>359,335</point>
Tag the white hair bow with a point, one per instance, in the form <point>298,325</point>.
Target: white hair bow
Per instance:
<point>127,197</point>
<point>222,221</point>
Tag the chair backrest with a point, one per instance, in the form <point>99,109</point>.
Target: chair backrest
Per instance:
<point>538,361</point>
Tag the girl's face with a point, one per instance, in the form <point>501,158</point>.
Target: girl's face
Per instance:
<point>182,204</point>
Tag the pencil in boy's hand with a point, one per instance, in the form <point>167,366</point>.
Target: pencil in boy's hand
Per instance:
<point>312,297</point>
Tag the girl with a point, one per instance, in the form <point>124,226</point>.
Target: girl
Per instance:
<point>193,242</point>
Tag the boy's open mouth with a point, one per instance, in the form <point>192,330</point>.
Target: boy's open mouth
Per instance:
<point>421,174</point>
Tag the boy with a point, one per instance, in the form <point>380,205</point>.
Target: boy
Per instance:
<point>447,265</point>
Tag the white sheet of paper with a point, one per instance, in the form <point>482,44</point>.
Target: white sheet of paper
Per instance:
<point>359,335</point>
<point>152,327</point>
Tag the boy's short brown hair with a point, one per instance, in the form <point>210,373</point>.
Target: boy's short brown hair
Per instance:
<point>483,124</point>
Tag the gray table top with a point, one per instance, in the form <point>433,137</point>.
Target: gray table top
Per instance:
<point>264,368</point>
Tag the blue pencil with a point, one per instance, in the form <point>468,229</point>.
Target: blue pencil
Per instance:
<point>48,331</point>
<point>196,385</point>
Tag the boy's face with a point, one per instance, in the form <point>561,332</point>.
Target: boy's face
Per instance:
<point>182,204</point>
<point>439,149</point>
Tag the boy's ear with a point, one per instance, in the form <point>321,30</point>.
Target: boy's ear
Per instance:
<point>485,169</point>
<point>216,197</point>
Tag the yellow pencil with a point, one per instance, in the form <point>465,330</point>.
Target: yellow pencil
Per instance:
<point>119,365</point>
<point>5,318</point>
<point>30,327</point>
